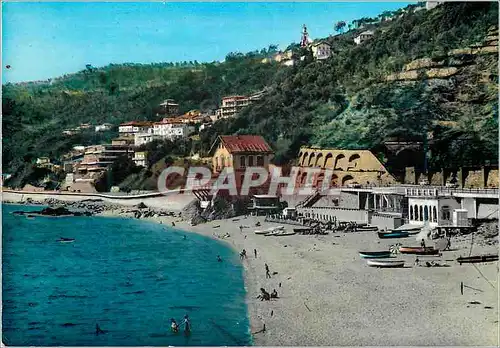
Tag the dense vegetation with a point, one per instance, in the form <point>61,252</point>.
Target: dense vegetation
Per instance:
<point>343,101</point>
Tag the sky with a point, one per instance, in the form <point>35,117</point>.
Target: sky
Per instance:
<point>47,40</point>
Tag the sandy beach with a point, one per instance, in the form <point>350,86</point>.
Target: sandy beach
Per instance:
<point>329,296</point>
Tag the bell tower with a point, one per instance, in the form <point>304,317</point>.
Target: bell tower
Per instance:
<point>304,41</point>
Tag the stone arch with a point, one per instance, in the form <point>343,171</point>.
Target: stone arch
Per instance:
<point>334,181</point>
<point>310,162</point>
<point>328,160</point>
<point>304,158</point>
<point>346,179</point>
<point>415,210</point>
<point>318,158</point>
<point>337,165</point>
<point>320,179</point>
<point>303,177</point>
<point>300,156</point>
<point>420,213</point>
<point>426,213</point>
<point>411,212</point>
<point>353,161</point>
<point>434,214</point>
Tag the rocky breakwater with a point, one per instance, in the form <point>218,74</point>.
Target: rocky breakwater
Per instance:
<point>59,211</point>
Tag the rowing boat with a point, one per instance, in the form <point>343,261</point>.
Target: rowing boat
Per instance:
<point>478,258</point>
<point>394,234</point>
<point>418,250</point>
<point>280,233</point>
<point>385,263</point>
<point>269,230</point>
<point>374,254</point>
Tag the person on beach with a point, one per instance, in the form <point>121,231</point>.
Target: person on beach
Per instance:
<point>422,243</point>
<point>174,326</point>
<point>241,228</point>
<point>219,259</point>
<point>255,252</point>
<point>264,295</point>
<point>243,254</point>
<point>187,324</point>
<point>274,294</point>
<point>173,224</point>
<point>268,274</point>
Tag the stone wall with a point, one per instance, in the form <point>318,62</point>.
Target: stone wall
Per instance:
<point>473,179</point>
<point>492,178</point>
<point>385,221</point>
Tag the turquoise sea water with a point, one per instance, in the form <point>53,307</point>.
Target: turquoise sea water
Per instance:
<point>128,276</point>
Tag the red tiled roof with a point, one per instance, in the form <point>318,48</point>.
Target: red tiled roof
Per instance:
<point>137,123</point>
<point>245,143</point>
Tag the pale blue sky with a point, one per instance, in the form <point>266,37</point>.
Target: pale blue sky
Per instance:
<point>44,40</point>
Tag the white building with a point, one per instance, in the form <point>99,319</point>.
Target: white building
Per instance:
<point>140,158</point>
<point>172,130</point>
<point>321,50</point>
<point>134,127</point>
<point>364,36</point>
<point>103,127</point>
<point>425,204</point>
<point>144,138</point>
<point>429,5</point>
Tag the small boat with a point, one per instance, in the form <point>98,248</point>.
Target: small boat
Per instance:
<point>66,240</point>
<point>302,230</point>
<point>269,230</point>
<point>280,233</point>
<point>374,254</point>
<point>398,234</point>
<point>478,258</point>
<point>385,263</point>
<point>31,217</point>
<point>366,228</point>
<point>419,250</point>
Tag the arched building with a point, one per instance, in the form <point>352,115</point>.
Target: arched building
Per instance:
<point>350,167</point>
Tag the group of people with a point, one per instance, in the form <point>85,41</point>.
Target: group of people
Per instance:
<point>187,325</point>
<point>265,296</point>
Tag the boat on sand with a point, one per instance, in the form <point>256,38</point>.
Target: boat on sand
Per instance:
<point>385,263</point>
<point>374,254</point>
<point>478,258</point>
<point>394,234</point>
<point>418,250</point>
<point>280,233</point>
<point>269,230</point>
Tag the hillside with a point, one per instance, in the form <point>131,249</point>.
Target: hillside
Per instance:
<point>355,99</point>
<point>418,76</point>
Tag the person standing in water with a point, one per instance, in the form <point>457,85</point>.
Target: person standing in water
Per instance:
<point>174,326</point>
<point>187,324</point>
<point>219,258</point>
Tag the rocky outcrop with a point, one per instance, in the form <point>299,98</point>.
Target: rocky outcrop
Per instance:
<point>59,211</point>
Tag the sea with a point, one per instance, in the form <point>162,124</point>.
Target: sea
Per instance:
<point>128,276</point>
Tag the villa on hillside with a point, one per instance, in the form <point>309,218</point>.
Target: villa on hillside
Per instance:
<point>132,127</point>
<point>240,152</point>
<point>364,36</point>
<point>168,108</point>
<point>231,105</point>
<point>321,50</point>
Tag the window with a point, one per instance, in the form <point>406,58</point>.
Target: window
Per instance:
<point>434,214</point>
<point>260,161</point>
<point>416,212</point>
<point>411,212</point>
<point>242,161</point>
<point>250,161</point>
<point>426,213</point>
<point>420,213</point>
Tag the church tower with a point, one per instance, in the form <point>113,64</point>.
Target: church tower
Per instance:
<point>304,41</point>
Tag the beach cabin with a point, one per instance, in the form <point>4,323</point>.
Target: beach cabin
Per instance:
<point>290,213</point>
<point>265,205</point>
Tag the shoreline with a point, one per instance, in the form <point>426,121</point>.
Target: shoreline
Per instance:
<point>302,264</point>
<point>328,296</point>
